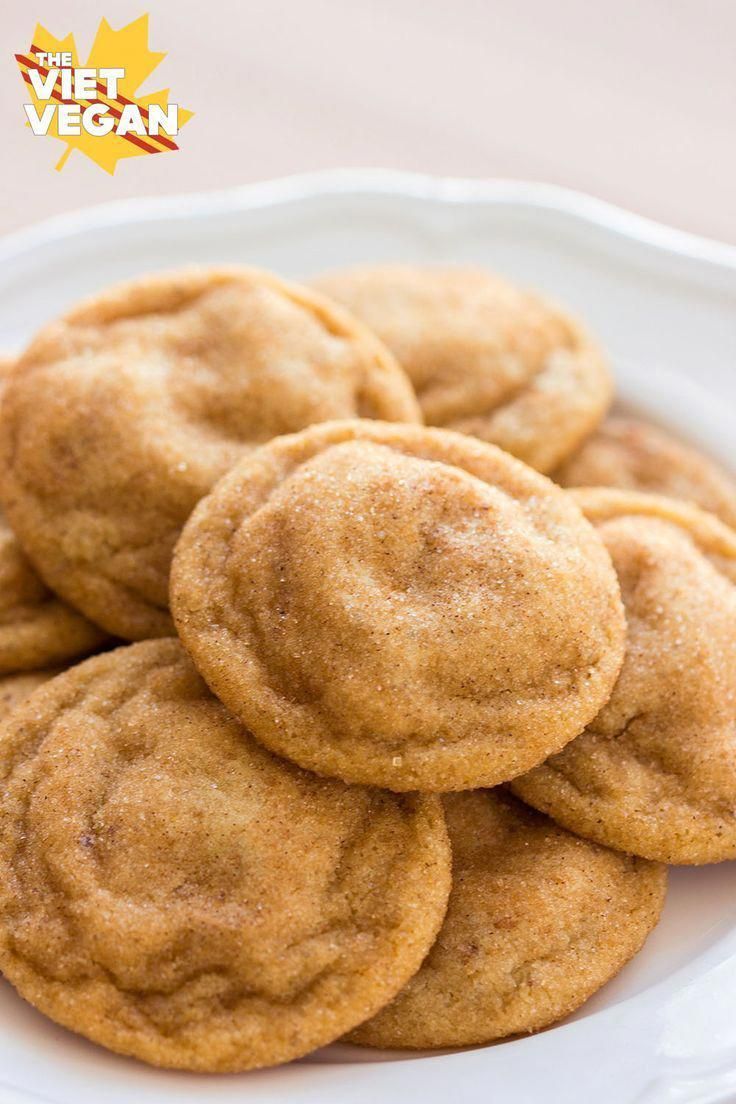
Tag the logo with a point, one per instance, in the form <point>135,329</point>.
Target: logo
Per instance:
<point>93,108</point>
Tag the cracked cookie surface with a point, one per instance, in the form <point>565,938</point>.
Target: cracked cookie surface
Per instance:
<point>538,920</point>
<point>123,413</point>
<point>636,456</point>
<point>485,357</point>
<point>399,606</point>
<point>171,890</point>
<point>655,772</point>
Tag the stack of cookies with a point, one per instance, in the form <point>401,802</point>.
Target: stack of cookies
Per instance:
<point>389,734</point>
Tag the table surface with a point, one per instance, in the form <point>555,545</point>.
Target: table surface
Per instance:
<point>630,100</point>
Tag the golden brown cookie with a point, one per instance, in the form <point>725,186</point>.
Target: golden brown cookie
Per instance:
<point>655,772</point>
<point>123,413</point>
<point>399,606</point>
<point>36,628</point>
<point>174,892</point>
<point>6,364</point>
<point>537,921</point>
<point>636,456</point>
<point>485,357</point>
<point>14,689</point>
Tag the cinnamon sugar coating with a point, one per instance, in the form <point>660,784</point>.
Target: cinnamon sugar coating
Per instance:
<point>485,357</point>
<point>538,920</point>
<point>173,891</point>
<point>399,606</point>
<point>123,413</point>
<point>655,772</point>
<point>37,628</point>
<point>633,455</point>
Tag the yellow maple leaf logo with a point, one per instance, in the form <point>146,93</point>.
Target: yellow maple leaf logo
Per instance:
<point>125,49</point>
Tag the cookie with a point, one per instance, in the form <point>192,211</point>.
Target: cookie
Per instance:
<point>37,629</point>
<point>174,892</point>
<point>655,772</point>
<point>537,921</point>
<point>14,689</point>
<point>636,456</point>
<point>122,414</point>
<point>485,357</point>
<point>399,606</point>
<point>7,363</point>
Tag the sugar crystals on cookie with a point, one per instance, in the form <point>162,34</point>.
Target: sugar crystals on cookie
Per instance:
<point>173,891</point>
<point>655,772</point>
<point>399,606</point>
<point>124,412</point>
<point>485,357</point>
<point>537,921</point>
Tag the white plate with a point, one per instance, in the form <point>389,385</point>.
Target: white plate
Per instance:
<point>664,303</point>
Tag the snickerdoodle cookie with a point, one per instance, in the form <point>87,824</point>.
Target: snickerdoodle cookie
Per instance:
<point>537,921</point>
<point>400,606</point>
<point>14,689</point>
<point>36,628</point>
<point>655,772</point>
<point>636,456</point>
<point>173,891</point>
<point>123,413</point>
<point>485,357</point>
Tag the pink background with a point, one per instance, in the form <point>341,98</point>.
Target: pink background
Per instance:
<point>631,100</point>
